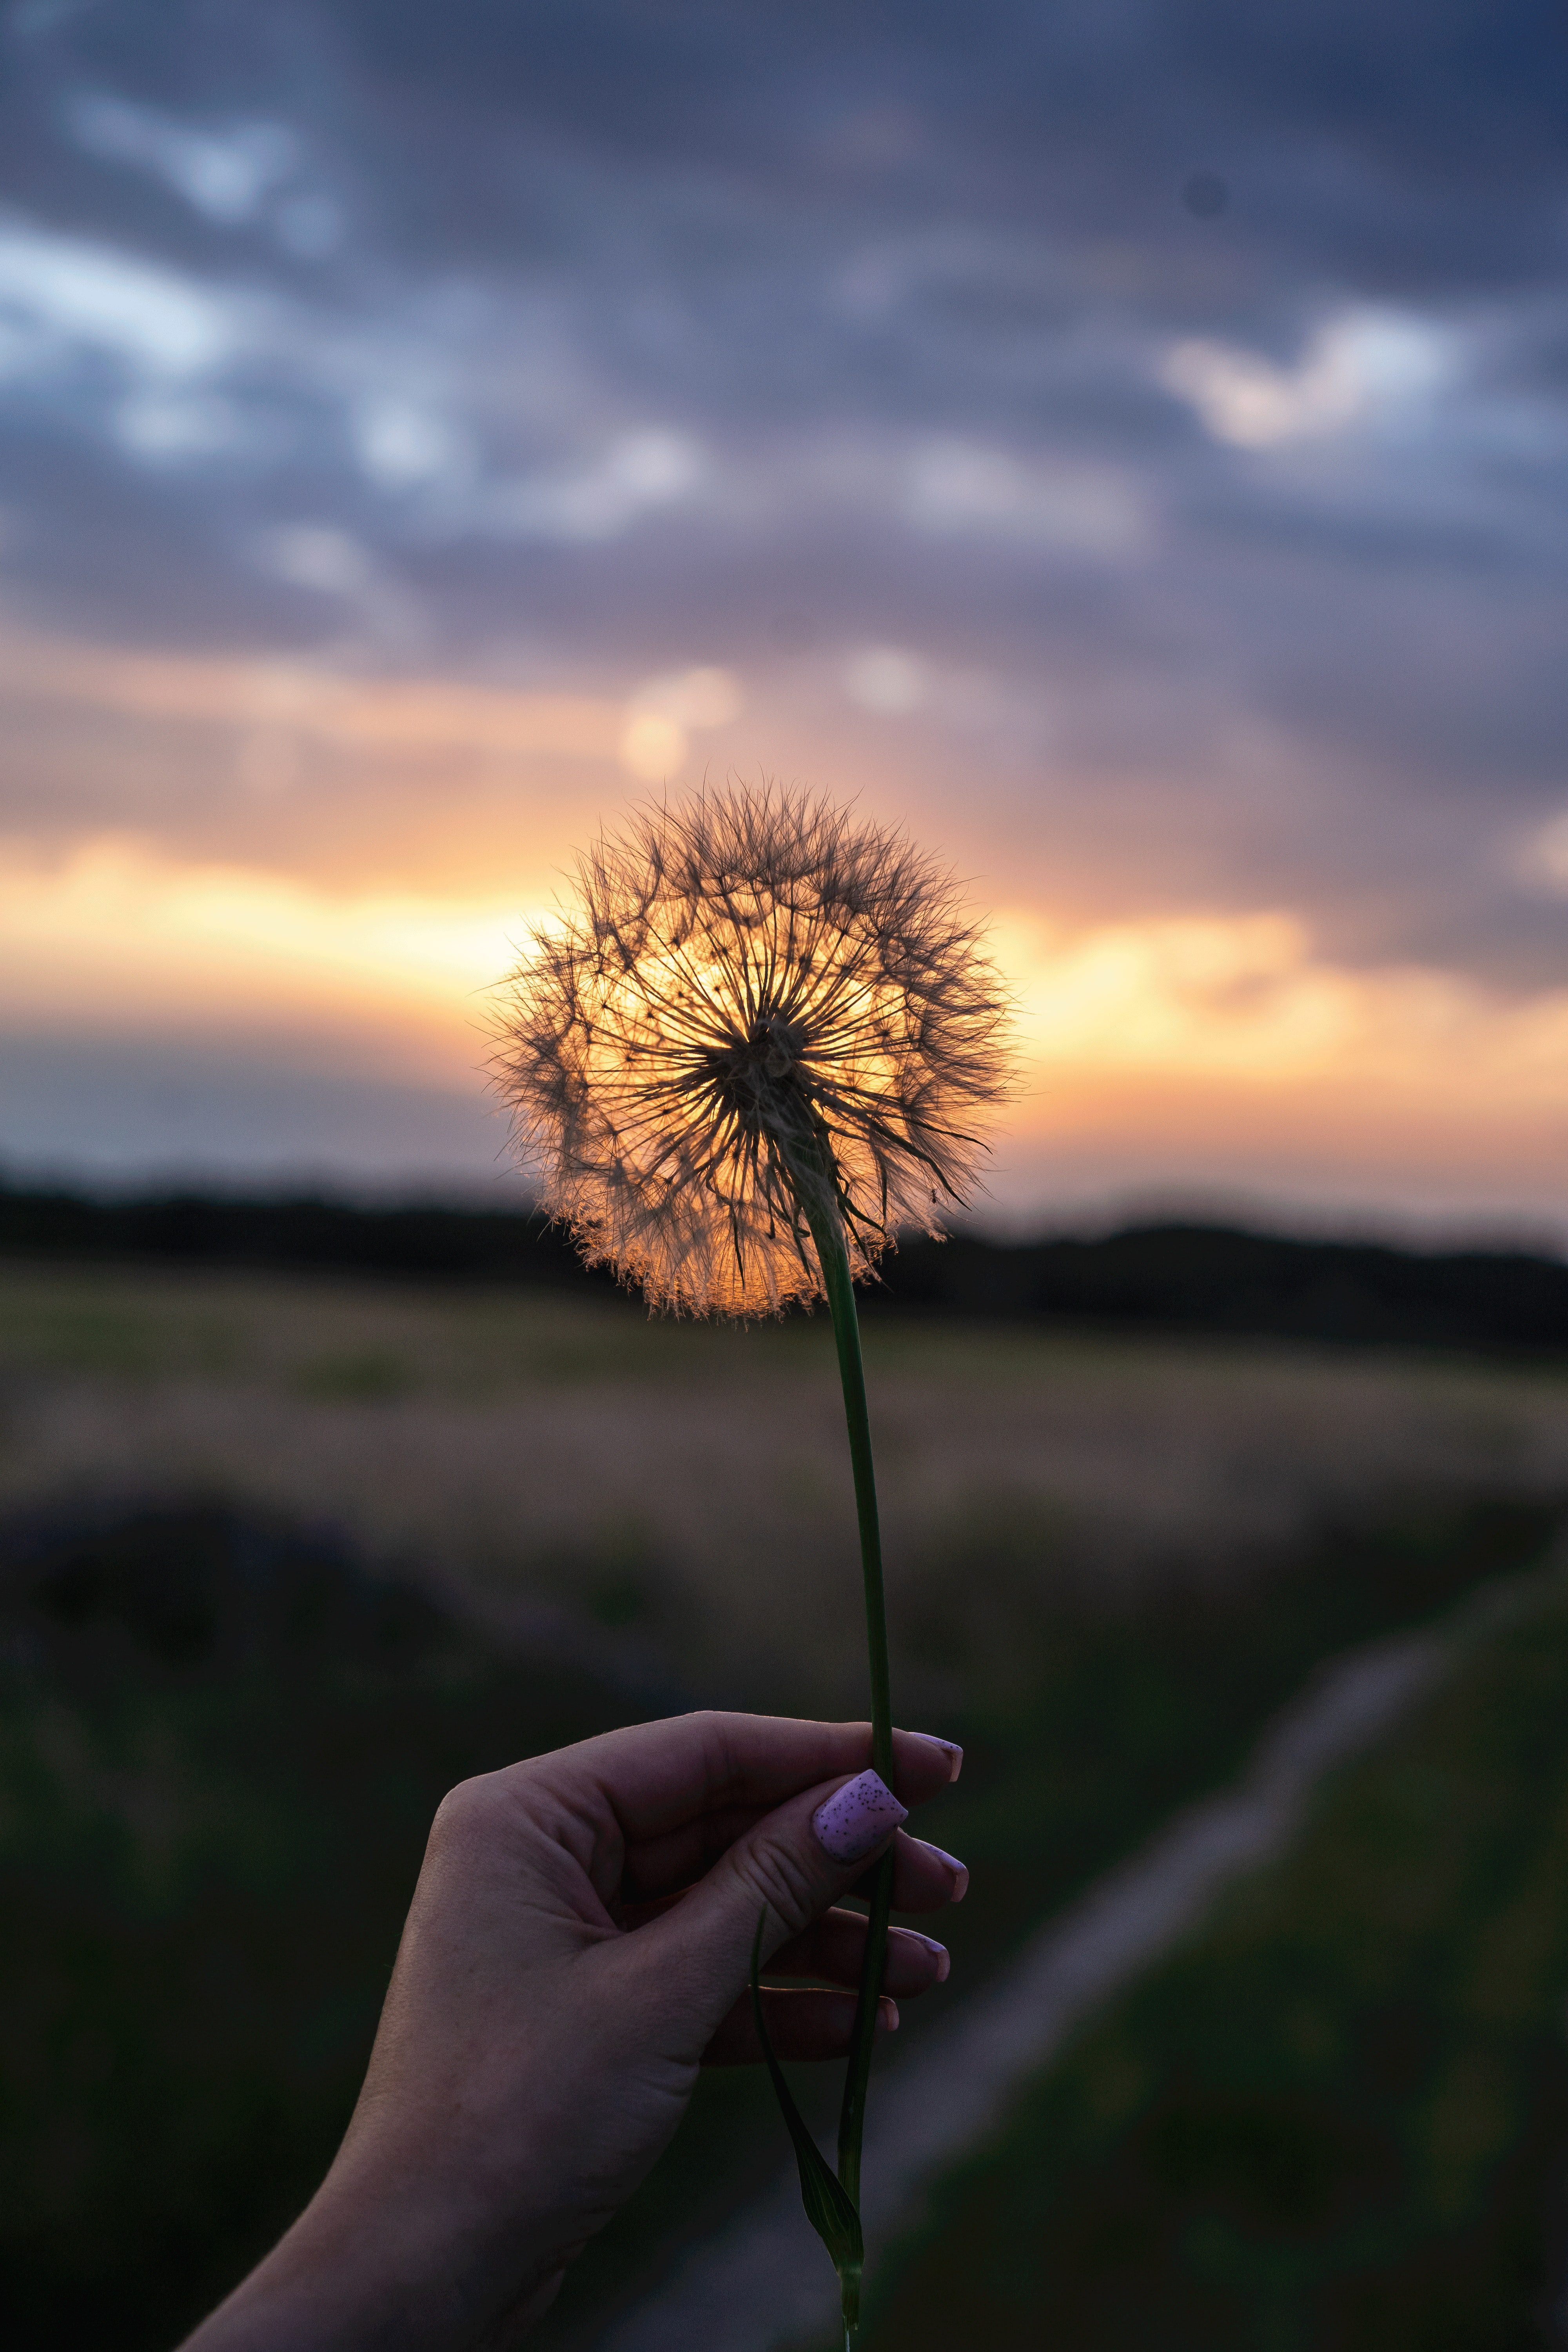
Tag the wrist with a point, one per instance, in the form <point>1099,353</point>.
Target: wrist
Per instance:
<point>380,2263</point>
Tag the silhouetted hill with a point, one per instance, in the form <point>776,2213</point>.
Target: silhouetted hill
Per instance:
<point>1170,1277</point>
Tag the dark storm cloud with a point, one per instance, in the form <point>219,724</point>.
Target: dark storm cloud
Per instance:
<point>1351,136</point>
<point>622,335</point>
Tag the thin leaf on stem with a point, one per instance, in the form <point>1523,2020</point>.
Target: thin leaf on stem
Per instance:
<point>828,2207</point>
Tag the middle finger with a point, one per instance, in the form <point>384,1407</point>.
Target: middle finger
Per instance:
<point>832,1947</point>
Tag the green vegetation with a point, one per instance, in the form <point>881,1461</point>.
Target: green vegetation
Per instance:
<point>220,1748</point>
<point>227,1721</point>
<point>1338,2117</point>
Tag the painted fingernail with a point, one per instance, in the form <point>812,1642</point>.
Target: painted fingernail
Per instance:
<point>949,1749</point>
<point>959,1870</point>
<point>943,1958</point>
<point>886,2015</point>
<point>857,1817</point>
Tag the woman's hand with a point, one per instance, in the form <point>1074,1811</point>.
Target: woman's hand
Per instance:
<point>578,1944</point>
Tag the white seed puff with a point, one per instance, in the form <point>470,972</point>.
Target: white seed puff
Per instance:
<point>742,977</point>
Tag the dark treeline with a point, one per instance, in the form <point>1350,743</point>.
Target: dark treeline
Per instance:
<point>1166,1277</point>
<point>303,1234</point>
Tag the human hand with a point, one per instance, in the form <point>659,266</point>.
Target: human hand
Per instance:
<point>579,1943</point>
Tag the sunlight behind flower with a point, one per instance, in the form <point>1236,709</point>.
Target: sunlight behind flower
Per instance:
<point>754,1012</point>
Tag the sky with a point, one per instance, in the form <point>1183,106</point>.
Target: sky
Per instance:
<point>1126,443</point>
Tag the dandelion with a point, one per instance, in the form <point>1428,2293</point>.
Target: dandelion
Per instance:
<point>754,1049</point>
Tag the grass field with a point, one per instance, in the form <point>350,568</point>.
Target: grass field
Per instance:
<point>286,1556</point>
<point>687,1485</point>
<point>1338,2117</point>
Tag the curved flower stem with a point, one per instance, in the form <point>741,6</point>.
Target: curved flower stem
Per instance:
<point>828,1233</point>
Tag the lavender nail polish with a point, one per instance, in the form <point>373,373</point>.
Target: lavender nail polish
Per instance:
<point>959,1870</point>
<point>953,1751</point>
<point>857,1817</point>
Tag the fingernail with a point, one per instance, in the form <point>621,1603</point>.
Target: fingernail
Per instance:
<point>888,2015</point>
<point>959,1870</point>
<point>943,1957</point>
<point>949,1749</point>
<point>857,1817</point>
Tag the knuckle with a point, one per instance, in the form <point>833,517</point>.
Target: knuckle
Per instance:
<point>465,1813</point>
<point>712,1727</point>
<point>779,1875</point>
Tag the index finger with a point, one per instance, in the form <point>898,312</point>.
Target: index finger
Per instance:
<point>660,1776</point>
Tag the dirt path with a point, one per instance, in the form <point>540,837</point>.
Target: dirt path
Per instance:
<point>764,2283</point>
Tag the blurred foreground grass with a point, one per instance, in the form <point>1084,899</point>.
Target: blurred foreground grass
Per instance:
<point>285,1558</point>
<point>1338,2117</point>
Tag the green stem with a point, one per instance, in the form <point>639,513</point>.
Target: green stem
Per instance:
<point>828,1233</point>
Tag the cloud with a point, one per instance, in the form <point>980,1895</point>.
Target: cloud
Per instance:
<point>638,474</point>
<point>226,174</point>
<point>1368,366</point>
<point>169,1110</point>
<point>330,563</point>
<point>1196,1048</point>
<point>887,679</point>
<point>397,719</point>
<point>116,935</point>
<point>955,488</point>
<point>240,175</point>
<point>404,443</point>
<point>664,712</point>
<point>1228,1060</point>
<point>1541,861</point>
<point>1248,1004</point>
<point>62,294</point>
<point>1172,565</point>
<point>174,428</point>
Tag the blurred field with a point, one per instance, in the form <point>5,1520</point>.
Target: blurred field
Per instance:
<point>689,1484</point>
<point>284,1557</point>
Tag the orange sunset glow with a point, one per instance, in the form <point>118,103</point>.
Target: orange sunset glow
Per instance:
<point>1217,1050</point>
<point>1171,563</point>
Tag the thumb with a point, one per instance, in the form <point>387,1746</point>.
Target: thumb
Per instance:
<point>795,1863</point>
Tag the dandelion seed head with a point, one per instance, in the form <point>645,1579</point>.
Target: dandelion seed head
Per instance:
<point>750,986</point>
